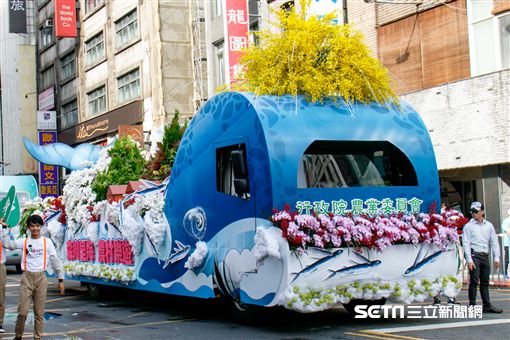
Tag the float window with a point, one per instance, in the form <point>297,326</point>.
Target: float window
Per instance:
<point>337,164</point>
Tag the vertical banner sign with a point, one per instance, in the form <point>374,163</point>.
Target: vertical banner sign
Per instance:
<point>65,18</point>
<point>48,174</point>
<point>236,36</point>
<point>17,16</point>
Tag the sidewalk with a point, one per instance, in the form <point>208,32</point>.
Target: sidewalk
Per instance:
<point>495,281</point>
<point>501,283</point>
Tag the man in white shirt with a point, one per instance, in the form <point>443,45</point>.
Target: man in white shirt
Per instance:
<point>478,239</point>
<point>37,251</point>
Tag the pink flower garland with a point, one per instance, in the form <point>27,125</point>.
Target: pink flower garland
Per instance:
<point>374,232</point>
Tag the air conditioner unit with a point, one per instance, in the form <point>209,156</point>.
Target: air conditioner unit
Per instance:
<point>48,23</point>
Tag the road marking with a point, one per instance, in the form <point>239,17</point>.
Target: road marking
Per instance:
<point>130,316</point>
<point>372,332</point>
<point>104,329</point>
<point>64,298</point>
<point>441,326</point>
<point>12,285</point>
<point>380,335</point>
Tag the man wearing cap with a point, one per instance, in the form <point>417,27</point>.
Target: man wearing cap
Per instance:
<point>478,238</point>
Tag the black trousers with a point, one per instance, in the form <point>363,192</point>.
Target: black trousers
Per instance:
<point>480,273</point>
<point>505,268</point>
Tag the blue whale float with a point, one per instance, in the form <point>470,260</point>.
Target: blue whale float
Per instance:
<point>243,155</point>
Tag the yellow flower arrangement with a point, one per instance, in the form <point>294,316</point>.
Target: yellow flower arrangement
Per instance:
<point>313,57</point>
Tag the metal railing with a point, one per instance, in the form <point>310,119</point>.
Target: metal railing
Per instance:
<point>495,274</point>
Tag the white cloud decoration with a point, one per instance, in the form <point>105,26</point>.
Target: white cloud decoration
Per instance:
<point>195,260</point>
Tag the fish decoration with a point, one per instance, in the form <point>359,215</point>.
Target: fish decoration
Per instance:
<point>315,265</point>
<point>356,269</point>
<point>421,262</point>
<point>179,253</point>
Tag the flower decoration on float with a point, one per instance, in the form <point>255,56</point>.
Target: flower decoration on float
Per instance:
<point>372,231</point>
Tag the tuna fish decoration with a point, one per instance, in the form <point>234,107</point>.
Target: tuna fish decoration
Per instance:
<point>78,158</point>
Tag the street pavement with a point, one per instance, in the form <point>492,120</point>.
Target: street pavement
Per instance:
<point>129,314</point>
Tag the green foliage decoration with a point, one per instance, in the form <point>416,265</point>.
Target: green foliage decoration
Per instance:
<point>126,165</point>
<point>160,165</point>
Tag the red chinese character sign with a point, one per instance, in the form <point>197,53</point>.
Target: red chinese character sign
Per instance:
<point>65,18</point>
<point>48,174</point>
<point>236,35</point>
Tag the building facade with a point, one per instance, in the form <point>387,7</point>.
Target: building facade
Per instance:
<point>18,96</point>
<point>450,60</point>
<point>134,67</point>
<point>137,62</point>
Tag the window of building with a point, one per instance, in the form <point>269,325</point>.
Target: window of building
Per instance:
<point>489,37</point>
<point>504,38</point>
<point>126,29</point>
<point>94,49</point>
<point>218,7</point>
<point>129,86</point>
<point>96,100</point>
<point>287,6</point>
<point>219,67</point>
<point>68,66</point>
<point>46,33</point>
<point>254,29</point>
<point>47,78</point>
<point>354,164</point>
<point>91,4</point>
<point>232,171</point>
<point>69,115</point>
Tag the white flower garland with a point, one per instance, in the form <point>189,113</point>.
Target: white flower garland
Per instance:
<point>314,299</point>
<point>124,274</point>
<point>132,229</point>
<point>78,193</point>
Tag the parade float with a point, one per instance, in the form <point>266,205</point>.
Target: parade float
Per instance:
<point>317,187</point>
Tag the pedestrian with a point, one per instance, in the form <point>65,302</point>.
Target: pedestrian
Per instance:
<point>479,239</point>
<point>505,228</point>
<point>37,251</point>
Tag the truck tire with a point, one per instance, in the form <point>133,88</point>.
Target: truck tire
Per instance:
<point>94,290</point>
<point>354,302</point>
<point>245,314</point>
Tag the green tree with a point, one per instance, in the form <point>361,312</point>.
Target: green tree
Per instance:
<point>126,165</point>
<point>159,167</point>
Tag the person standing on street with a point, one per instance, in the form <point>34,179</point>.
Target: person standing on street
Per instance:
<point>37,251</point>
<point>505,229</point>
<point>479,238</point>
